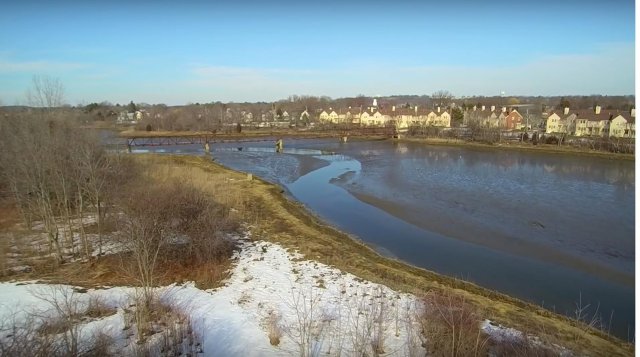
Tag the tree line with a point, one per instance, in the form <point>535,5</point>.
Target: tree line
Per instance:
<point>57,173</point>
<point>64,182</point>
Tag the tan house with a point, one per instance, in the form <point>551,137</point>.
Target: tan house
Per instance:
<point>560,122</point>
<point>438,117</point>
<point>353,115</point>
<point>484,117</point>
<point>374,118</point>
<point>305,116</point>
<point>402,118</point>
<point>597,122</point>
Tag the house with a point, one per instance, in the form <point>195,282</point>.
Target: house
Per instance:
<point>329,116</point>
<point>606,123</point>
<point>126,117</point>
<point>405,117</point>
<point>373,117</point>
<point>353,115</point>
<point>474,116</point>
<point>561,122</point>
<point>591,123</point>
<point>505,118</point>
<point>513,120</point>
<point>596,122</point>
<point>304,116</point>
<point>247,116</point>
<point>483,117</point>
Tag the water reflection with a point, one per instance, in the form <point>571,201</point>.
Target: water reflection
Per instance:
<point>286,150</point>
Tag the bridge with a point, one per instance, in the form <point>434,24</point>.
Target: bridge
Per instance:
<point>206,139</point>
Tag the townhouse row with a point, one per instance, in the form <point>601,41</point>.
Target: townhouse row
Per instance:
<point>374,115</point>
<point>595,123</point>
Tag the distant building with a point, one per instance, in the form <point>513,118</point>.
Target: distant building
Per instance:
<point>596,122</point>
<point>376,116</point>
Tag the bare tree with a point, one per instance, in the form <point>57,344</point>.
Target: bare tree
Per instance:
<point>442,97</point>
<point>65,323</point>
<point>45,92</point>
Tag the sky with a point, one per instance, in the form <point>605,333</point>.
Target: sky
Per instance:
<point>203,51</point>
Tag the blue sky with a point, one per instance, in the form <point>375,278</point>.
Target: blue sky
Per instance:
<point>180,52</point>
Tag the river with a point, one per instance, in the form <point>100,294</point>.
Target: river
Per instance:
<point>552,229</point>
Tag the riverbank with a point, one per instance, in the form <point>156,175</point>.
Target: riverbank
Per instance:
<point>289,224</point>
<point>518,146</point>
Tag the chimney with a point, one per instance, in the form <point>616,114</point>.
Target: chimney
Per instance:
<point>483,107</point>
<point>438,109</point>
<point>633,112</point>
<point>504,109</point>
<point>493,108</point>
<point>416,109</point>
<point>566,110</point>
<point>474,108</point>
<point>393,108</point>
<point>597,109</point>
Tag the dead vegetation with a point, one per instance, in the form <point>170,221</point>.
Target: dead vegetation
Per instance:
<point>77,205</point>
<point>451,326</point>
<point>63,328</point>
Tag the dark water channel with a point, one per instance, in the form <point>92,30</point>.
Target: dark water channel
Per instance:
<point>547,228</point>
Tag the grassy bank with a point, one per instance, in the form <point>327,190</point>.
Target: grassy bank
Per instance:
<point>276,218</point>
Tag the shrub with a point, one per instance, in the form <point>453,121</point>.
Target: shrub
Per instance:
<point>553,140</point>
<point>451,326</point>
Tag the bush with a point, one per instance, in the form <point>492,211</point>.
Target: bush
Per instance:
<point>451,326</point>
<point>553,140</point>
<point>173,228</point>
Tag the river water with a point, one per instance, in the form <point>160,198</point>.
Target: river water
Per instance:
<point>547,228</point>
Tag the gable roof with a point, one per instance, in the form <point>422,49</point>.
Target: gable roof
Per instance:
<point>605,114</point>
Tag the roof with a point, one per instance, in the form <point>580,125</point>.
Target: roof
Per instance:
<point>605,114</point>
<point>561,114</point>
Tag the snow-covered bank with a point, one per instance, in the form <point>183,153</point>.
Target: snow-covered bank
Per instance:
<point>273,304</point>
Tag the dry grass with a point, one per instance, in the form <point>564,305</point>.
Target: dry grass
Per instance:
<point>175,328</point>
<point>522,348</point>
<point>451,325</point>
<point>98,308</point>
<point>278,219</point>
<point>9,214</point>
<point>274,327</point>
